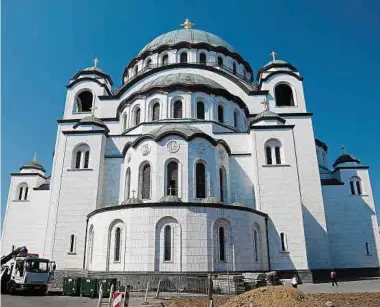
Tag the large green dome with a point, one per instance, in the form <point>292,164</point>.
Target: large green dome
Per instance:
<point>192,36</point>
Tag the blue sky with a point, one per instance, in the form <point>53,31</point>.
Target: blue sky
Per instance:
<point>334,44</point>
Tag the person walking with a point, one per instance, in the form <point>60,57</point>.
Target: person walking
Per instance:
<point>333,278</point>
<point>294,281</point>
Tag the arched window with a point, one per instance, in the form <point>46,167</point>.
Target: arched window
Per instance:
<point>172,178</point>
<point>220,114</point>
<point>137,116</point>
<point>167,243</point>
<point>86,159</point>
<point>200,180</point>
<point>177,109</point>
<point>234,68</point>
<point>127,183</point>
<point>268,152</point>
<point>222,185</point>
<point>277,154</point>
<point>84,102</point>
<point>77,159</point>
<point>273,152</point>
<point>145,182</point>
<point>72,244</point>
<point>165,60</point>
<point>116,255</point>
<point>222,251</point>
<point>149,63</point>
<point>124,122</point>
<point>283,241</point>
<point>200,110</point>
<point>183,57</point>
<point>81,157</point>
<point>355,185</point>
<point>202,58</point>
<point>22,191</point>
<point>284,95</point>
<point>220,61</point>
<point>256,245</point>
<point>156,111</point>
<point>236,119</point>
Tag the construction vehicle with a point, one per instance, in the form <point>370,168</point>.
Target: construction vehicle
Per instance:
<point>22,271</point>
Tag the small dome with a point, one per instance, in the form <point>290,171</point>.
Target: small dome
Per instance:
<point>181,128</point>
<point>93,70</point>
<point>183,79</point>
<point>191,36</point>
<point>170,199</point>
<point>267,115</point>
<point>211,200</point>
<point>33,164</point>
<point>275,62</point>
<point>238,204</point>
<point>132,201</point>
<point>344,158</point>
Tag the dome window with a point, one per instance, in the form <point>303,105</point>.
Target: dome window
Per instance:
<point>172,178</point>
<point>149,63</point>
<point>165,60</point>
<point>177,109</point>
<point>136,70</point>
<point>220,114</point>
<point>202,58</point>
<point>284,96</point>
<point>220,61</point>
<point>200,110</point>
<point>156,111</point>
<point>84,101</point>
<point>236,119</point>
<point>183,57</point>
<point>234,68</point>
<point>200,182</point>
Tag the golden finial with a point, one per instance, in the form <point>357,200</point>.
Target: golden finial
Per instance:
<point>96,61</point>
<point>273,54</point>
<point>35,157</point>
<point>187,24</point>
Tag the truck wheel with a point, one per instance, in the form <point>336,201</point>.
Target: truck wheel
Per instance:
<point>11,288</point>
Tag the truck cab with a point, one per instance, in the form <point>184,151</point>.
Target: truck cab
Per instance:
<point>28,272</point>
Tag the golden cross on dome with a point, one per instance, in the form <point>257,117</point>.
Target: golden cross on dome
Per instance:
<point>35,157</point>
<point>187,24</point>
<point>93,110</point>
<point>343,149</point>
<point>273,54</point>
<point>265,103</point>
<point>96,61</point>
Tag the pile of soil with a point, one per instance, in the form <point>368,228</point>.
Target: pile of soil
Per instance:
<point>282,296</point>
<point>197,301</point>
<point>349,299</point>
<point>274,296</point>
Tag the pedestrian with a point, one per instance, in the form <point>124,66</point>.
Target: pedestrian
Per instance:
<point>294,281</point>
<point>333,278</point>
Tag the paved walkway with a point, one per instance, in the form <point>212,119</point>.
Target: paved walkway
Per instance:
<point>369,285</point>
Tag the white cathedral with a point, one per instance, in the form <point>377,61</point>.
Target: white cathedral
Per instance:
<point>193,165</point>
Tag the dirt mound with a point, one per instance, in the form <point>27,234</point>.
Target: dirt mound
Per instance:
<point>274,296</point>
<point>350,299</point>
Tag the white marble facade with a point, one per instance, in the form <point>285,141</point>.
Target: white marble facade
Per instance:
<point>191,166</point>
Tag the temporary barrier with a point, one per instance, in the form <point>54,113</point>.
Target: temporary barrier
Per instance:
<point>116,299</point>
